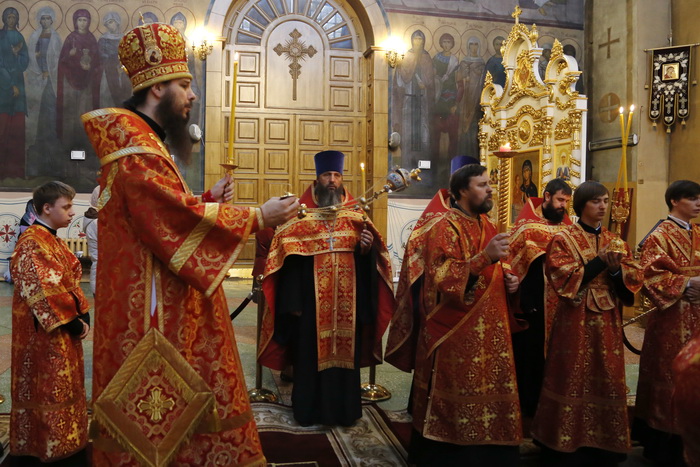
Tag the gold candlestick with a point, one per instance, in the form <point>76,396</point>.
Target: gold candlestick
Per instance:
<point>504,155</point>
<point>620,208</point>
<point>230,164</point>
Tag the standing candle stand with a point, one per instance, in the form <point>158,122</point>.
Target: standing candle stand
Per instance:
<point>259,393</point>
<point>621,203</point>
<point>370,391</point>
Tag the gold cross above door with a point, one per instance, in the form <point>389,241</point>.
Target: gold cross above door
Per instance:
<point>295,51</point>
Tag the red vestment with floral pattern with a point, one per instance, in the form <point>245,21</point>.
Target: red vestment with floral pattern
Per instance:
<point>403,333</point>
<point>686,403</point>
<point>529,239</point>
<point>670,257</point>
<point>584,396</point>
<point>49,410</point>
<point>163,256</point>
<point>331,240</point>
<point>464,385</point>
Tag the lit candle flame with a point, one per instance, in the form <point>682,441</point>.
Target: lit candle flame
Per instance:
<point>363,187</point>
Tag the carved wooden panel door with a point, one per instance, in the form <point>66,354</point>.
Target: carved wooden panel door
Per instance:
<point>299,90</point>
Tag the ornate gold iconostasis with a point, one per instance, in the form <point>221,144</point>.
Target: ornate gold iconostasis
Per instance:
<point>534,127</point>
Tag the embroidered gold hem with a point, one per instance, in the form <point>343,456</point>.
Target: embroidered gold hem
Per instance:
<point>155,402</point>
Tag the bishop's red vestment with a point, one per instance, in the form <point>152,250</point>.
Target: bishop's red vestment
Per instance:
<point>403,333</point>
<point>464,386</point>
<point>584,395</point>
<point>49,411</point>
<point>670,257</point>
<point>163,256</point>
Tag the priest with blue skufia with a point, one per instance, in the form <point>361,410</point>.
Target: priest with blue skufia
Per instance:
<point>328,287</point>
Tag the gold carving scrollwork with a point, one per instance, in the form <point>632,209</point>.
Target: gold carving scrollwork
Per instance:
<point>563,129</point>
<point>525,110</point>
<point>534,34</point>
<point>561,66</point>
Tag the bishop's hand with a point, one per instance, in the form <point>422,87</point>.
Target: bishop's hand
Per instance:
<point>222,191</point>
<point>276,211</point>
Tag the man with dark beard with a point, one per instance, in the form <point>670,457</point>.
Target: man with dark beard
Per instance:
<point>465,401</point>
<point>537,223</point>
<point>163,255</point>
<point>330,298</point>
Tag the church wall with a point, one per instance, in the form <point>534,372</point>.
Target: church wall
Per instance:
<point>684,163</point>
<point>617,35</point>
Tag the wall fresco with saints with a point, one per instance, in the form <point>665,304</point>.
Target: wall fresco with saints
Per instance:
<point>451,45</point>
<point>59,60</point>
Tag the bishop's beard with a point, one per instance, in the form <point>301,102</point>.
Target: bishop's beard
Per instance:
<point>326,197</point>
<point>175,126</point>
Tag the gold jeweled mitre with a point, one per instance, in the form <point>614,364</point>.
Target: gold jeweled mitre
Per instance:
<point>153,53</point>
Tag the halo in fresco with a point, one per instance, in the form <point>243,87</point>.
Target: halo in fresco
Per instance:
<point>191,20</point>
<point>136,15</point>
<point>34,11</point>
<point>94,16</point>
<point>21,9</point>
<point>494,33</point>
<point>576,45</point>
<point>413,28</point>
<point>457,49</point>
<point>483,42</point>
<point>104,9</point>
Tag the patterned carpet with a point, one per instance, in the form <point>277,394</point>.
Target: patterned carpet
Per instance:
<point>372,441</point>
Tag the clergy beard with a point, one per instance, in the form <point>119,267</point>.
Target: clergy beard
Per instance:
<point>326,197</point>
<point>552,214</point>
<point>484,207</point>
<point>179,141</point>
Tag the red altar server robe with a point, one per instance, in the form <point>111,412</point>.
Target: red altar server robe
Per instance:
<point>670,257</point>
<point>584,396</point>
<point>464,386</point>
<point>163,256</point>
<point>49,411</point>
<point>686,403</point>
<point>403,333</point>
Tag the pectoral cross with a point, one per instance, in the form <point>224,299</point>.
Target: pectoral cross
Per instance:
<point>330,241</point>
<point>295,51</point>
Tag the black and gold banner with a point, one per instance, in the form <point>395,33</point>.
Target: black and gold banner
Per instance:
<point>670,74</point>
